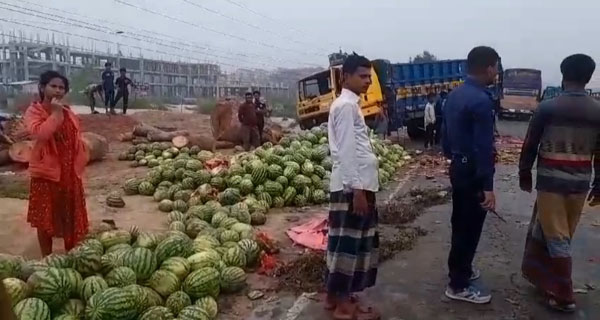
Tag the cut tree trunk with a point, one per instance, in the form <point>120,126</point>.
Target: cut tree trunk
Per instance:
<point>20,151</point>
<point>97,146</point>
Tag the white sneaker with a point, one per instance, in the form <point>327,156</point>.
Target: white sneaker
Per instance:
<point>475,275</point>
<point>470,294</point>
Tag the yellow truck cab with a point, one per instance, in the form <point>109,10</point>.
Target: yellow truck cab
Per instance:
<point>317,92</point>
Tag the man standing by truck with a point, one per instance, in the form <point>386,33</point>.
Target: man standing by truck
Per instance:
<point>353,240</point>
<point>249,122</point>
<point>468,141</point>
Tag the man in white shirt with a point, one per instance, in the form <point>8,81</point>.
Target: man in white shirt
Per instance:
<point>353,241</point>
<point>430,121</point>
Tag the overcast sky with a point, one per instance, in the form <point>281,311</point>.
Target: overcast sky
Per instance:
<point>279,33</point>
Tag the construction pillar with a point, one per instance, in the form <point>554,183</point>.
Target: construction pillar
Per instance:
<point>25,62</point>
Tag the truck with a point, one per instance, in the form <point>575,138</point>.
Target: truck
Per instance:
<point>521,93</point>
<point>402,88</point>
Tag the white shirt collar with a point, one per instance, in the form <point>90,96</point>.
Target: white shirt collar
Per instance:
<point>349,95</point>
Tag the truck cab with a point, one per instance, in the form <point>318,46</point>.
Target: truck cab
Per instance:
<point>521,93</point>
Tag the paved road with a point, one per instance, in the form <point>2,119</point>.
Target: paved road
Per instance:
<point>410,287</point>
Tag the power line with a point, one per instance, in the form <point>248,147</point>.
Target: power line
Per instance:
<point>260,43</point>
<point>246,23</point>
<point>103,30</point>
<point>158,37</point>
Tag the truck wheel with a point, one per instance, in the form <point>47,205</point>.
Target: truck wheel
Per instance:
<point>413,130</point>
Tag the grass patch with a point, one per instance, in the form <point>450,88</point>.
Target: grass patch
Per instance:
<point>14,189</point>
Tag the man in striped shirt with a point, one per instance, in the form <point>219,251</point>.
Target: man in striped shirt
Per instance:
<point>563,137</point>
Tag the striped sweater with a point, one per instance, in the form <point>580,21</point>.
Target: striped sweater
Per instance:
<point>563,136</point>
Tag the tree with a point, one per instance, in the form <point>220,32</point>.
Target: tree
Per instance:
<point>426,56</point>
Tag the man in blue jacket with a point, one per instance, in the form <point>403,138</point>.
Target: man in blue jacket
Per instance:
<point>468,140</point>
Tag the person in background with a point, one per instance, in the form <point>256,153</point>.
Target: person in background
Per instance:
<point>57,205</point>
<point>123,84</point>
<point>6,312</point>
<point>439,116</point>
<point>429,121</point>
<point>261,111</point>
<point>468,141</point>
<point>90,92</point>
<point>248,118</point>
<point>382,121</point>
<point>108,84</point>
<point>564,138</point>
<point>353,240</point>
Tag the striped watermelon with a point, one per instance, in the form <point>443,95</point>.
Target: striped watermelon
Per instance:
<point>111,261</point>
<point>274,171</point>
<point>121,277</point>
<point>177,226</point>
<point>228,222</point>
<point>157,313</point>
<point>142,301</point>
<point>173,246</point>
<point>207,258</point>
<point>308,168</point>
<point>246,186</point>
<point>180,205</point>
<point>258,172</point>
<point>233,279</point>
<point>195,226</point>
<point>290,172</point>
<point>146,240</point>
<point>266,198</point>
<point>154,299</point>
<point>178,266</point>
<point>235,257</point>
<point>273,188</point>
<point>66,316</point>
<point>234,181</point>
<point>288,195</point>
<point>119,248</point>
<point>252,250</point>
<point>258,218</point>
<point>87,259</point>
<point>51,285</point>
<point>177,301</point>
<point>142,261</point>
<point>59,261</point>
<point>300,181</point>
<point>320,171</point>
<point>175,216</point>
<point>300,200</point>
<point>209,305</point>
<point>218,218</point>
<point>74,308</point>
<point>164,282</point>
<point>193,312</point>
<point>112,304</point>
<point>32,309</point>
<point>75,280</point>
<point>92,285</point>
<point>230,196</point>
<point>131,186</point>
<point>202,282</point>
<point>146,188</point>
<point>278,202</point>
<point>319,196</point>
<point>114,237</point>
<point>17,289</point>
<point>165,205</point>
<point>218,183</point>
<point>283,181</point>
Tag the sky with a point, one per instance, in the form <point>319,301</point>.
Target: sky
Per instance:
<point>274,33</point>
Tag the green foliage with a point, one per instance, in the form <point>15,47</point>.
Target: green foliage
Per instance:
<point>80,80</point>
<point>426,56</point>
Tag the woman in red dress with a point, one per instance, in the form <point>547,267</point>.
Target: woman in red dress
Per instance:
<point>56,197</point>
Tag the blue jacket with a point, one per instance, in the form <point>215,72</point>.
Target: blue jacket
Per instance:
<point>468,129</point>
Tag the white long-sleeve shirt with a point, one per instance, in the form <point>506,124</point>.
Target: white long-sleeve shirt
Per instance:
<point>429,113</point>
<point>354,162</point>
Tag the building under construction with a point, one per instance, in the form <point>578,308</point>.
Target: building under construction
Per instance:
<point>24,60</point>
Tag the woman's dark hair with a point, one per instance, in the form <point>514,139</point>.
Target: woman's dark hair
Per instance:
<point>46,77</point>
<point>480,58</point>
<point>256,91</point>
<point>122,70</point>
<point>353,62</point>
<point>578,68</point>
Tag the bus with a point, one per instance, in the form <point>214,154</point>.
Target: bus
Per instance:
<point>521,93</point>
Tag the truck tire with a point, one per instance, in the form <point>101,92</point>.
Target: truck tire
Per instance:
<point>413,129</point>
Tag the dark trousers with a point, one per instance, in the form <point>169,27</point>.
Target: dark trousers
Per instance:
<point>438,130</point>
<point>125,96</point>
<point>109,98</point>
<point>429,135</point>
<point>261,127</point>
<point>249,137</point>
<point>467,223</point>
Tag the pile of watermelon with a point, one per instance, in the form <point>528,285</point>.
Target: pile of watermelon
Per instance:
<point>294,173</point>
<point>129,275</point>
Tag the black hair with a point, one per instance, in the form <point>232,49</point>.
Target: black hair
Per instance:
<point>122,70</point>
<point>578,68</point>
<point>108,64</point>
<point>481,58</point>
<point>248,94</point>
<point>430,95</point>
<point>46,77</point>
<point>353,62</point>
<point>255,92</point>
<point>443,94</point>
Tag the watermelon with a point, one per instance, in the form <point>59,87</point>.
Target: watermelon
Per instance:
<point>146,240</point>
<point>113,237</point>
<point>258,172</point>
<point>193,312</point>
<point>32,309</point>
<point>288,195</point>
<point>178,266</point>
<point>230,196</point>
<point>131,186</point>
<point>209,305</point>
<point>146,188</point>
<point>290,172</point>
<point>184,195</point>
<point>218,218</point>
<point>207,258</point>
<point>142,300</point>
<point>173,190</point>
<point>75,281</point>
<point>157,313</point>
<point>241,214</point>
<point>234,181</point>
<point>266,198</point>
<point>142,261</point>
<point>202,282</point>
<point>320,171</point>
<point>175,216</point>
<point>177,226</point>
<point>278,202</point>
<point>177,301</point>
<point>283,181</point>
<point>273,188</point>
<point>218,183</point>
<point>112,304</point>
<point>252,250</point>
<point>119,248</point>
<point>74,308</point>
<point>229,236</point>
<point>300,200</point>
<point>51,285</point>
<point>59,261</point>
<point>233,279</point>
<point>17,289</point>
<point>121,277</point>
<point>173,246</point>
<point>319,196</point>
<point>228,222</point>
<point>164,282</point>
<point>235,257</point>
<point>154,299</point>
<point>246,186</point>
<point>195,226</point>
<point>160,194</point>
<point>258,218</point>
<point>92,285</point>
<point>180,205</point>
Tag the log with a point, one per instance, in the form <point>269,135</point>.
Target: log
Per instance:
<point>205,142</point>
<point>180,141</point>
<point>96,146</point>
<point>124,137</point>
<point>143,129</point>
<point>162,136</point>
<point>21,151</point>
<point>4,157</point>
